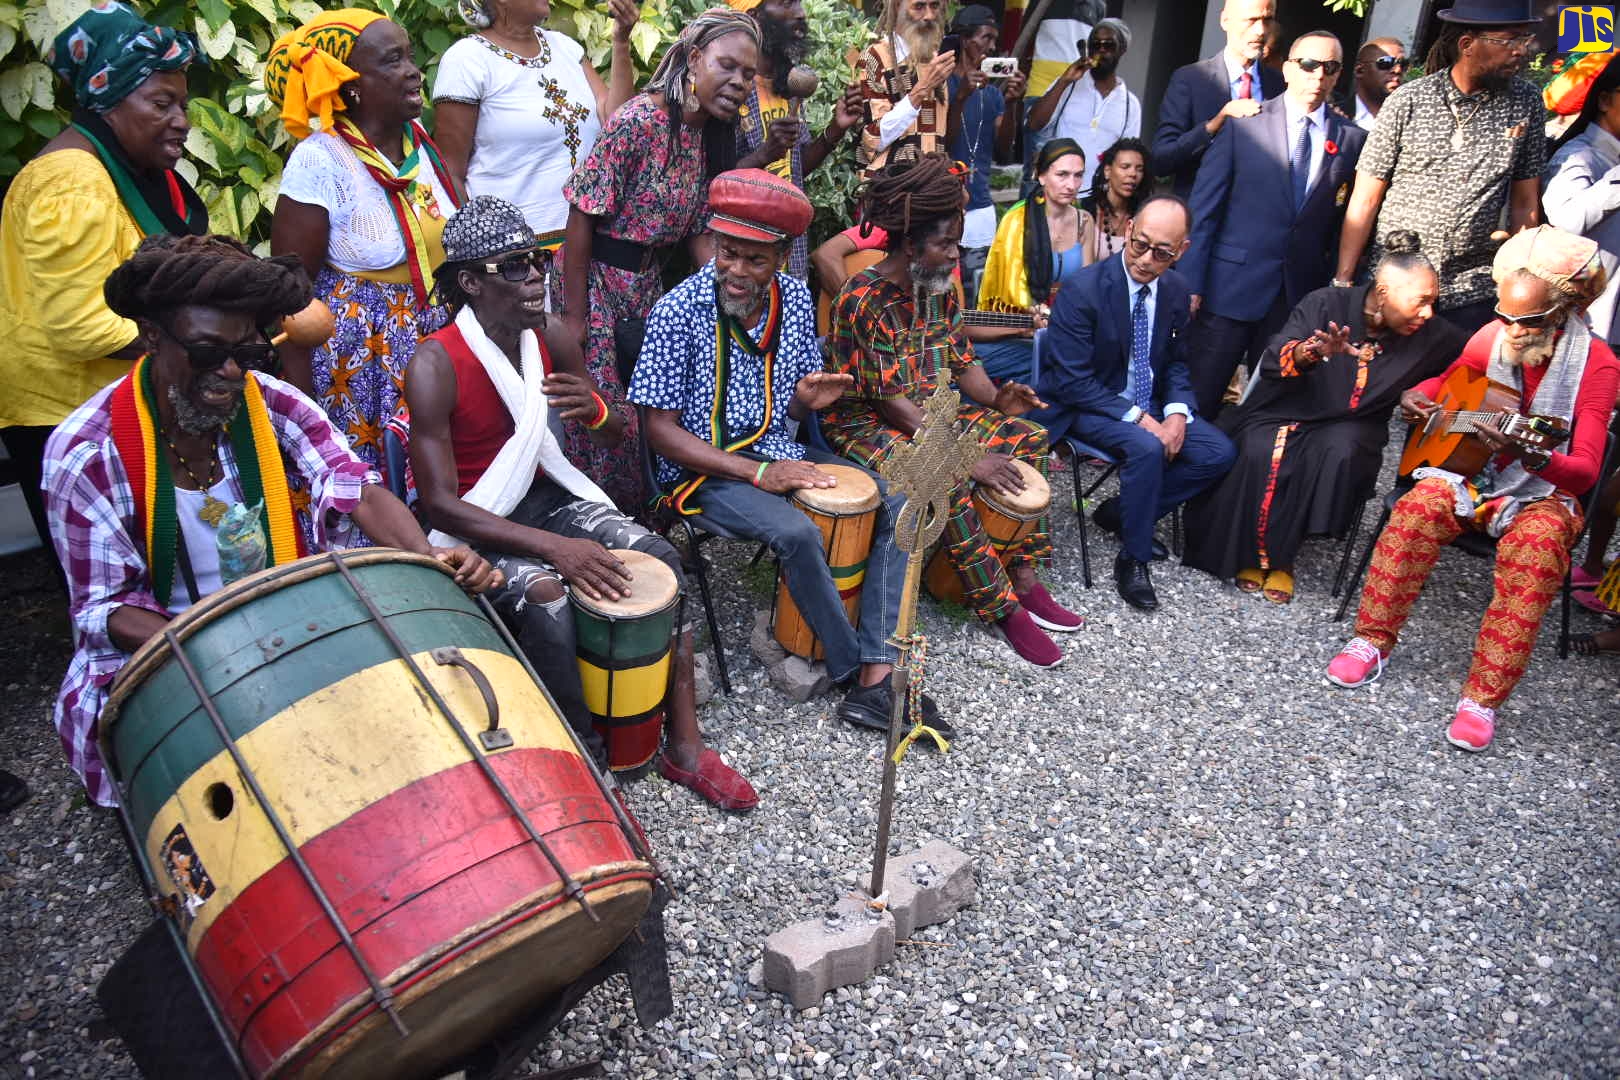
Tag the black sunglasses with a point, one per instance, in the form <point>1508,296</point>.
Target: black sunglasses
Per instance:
<point>1392,63</point>
<point>1140,247</point>
<point>1308,65</point>
<point>204,356</point>
<point>1094,45</point>
<point>1534,321</point>
<point>516,268</point>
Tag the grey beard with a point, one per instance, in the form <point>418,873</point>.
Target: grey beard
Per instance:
<point>930,282</point>
<point>921,45</point>
<point>194,420</point>
<point>743,307</point>
<point>1533,353</point>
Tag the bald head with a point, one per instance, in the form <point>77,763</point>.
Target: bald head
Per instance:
<point>1376,76</point>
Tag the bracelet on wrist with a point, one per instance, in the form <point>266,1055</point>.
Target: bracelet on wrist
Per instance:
<point>759,473</point>
<point>1341,283</point>
<point>602,414</point>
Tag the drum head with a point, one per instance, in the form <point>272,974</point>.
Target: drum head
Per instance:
<point>856,492</point>
<point>1032,502</point>
<point>652,588</point>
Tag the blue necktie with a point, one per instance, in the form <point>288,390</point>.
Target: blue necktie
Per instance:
<point>1299,163</point>
<point>1141,347</point>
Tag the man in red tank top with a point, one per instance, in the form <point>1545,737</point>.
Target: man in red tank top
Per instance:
<point>487,396</point>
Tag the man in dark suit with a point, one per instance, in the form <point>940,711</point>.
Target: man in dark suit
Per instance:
<point>1267,208</point>
<point>1201,97</point>
<point>1114,374</point>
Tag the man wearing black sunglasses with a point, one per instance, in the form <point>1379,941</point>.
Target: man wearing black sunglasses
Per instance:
<point>1380,64</point>
<point>1089,102</point>
<point>1267,206</point>
<point>488,395</point>
<point>139,478</point>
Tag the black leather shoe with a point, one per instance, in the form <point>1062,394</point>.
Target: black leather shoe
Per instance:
<point>1134,585</point>
<point>1107,518</point>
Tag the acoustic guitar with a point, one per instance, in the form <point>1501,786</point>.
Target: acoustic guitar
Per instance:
<point>1468,398</point>
<point>857,261</point>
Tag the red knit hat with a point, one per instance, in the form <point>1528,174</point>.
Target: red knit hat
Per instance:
<point>752,204</point>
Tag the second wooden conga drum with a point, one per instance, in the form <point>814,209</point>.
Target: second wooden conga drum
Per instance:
<point>1007,519</point>
<point>846,516</point>
<point>623,651</point>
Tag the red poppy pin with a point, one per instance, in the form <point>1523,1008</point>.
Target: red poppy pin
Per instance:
<point>1331,147</point>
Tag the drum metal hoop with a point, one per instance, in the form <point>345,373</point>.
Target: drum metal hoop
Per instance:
<point>631,834</point>
<point>383,996</point>
<point>571,887</point>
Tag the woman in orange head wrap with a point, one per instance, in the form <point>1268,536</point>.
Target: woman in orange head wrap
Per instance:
<point>363,202</point>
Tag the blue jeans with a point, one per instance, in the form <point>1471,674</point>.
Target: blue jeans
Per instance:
<point>754,514</point>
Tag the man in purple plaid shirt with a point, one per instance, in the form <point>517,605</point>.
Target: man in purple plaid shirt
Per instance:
<point>155,461</point>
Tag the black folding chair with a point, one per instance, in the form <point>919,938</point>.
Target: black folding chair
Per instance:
<point>1481,545</point>
<point>627,337</point>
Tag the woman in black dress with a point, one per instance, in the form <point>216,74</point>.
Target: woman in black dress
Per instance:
<point>1311,434</point>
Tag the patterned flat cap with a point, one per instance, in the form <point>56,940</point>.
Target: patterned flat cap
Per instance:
<point>484,226</point>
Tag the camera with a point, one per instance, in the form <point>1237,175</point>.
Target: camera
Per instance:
<point>999,67</point>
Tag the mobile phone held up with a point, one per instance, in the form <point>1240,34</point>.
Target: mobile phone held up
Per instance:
<point>952,43</point>
<point>999,67</point>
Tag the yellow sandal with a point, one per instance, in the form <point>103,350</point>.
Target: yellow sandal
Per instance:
<point>1249,581</point>
<point>1279,587</point>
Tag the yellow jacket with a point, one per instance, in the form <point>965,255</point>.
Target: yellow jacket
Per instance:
<point>1005,284</point>
<point>63,230</point>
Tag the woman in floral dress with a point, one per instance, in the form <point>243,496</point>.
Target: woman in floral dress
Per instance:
<point>641,191</point>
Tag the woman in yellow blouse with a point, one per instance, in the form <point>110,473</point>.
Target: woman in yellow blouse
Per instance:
<point>1037,242</point>
<point>78,210</point>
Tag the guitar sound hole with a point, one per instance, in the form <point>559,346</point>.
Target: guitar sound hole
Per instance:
<point>221,801</point>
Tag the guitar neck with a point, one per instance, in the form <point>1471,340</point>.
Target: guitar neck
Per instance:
<point>1462,421</point>
<point>1018,320</point>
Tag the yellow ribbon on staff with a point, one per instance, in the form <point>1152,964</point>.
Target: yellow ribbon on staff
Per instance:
<point>940,742</point>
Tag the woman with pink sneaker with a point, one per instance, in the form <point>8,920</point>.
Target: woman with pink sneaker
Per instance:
<point>1540,344</point>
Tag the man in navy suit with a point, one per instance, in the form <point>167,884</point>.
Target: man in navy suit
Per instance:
<point>1201,97</point>
<point>1267,208</point>
<point>1114,374</point>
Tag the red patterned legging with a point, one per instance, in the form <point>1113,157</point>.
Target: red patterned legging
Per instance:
<point>1531,559</point>
<point>986,587</point>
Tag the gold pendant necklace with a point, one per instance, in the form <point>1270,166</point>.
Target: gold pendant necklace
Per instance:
<point>213,510</point>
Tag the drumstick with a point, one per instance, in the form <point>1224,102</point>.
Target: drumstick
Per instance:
<point>309,327</point>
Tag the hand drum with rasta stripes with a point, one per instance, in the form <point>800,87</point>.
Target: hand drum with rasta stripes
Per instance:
<point>847,517</point>
<point>378,840</point>
<point>623,651</point>
<point>1006,519</point>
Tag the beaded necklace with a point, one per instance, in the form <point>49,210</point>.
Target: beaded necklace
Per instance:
<point>559,109</point>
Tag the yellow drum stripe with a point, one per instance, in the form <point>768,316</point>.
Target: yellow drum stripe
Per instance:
<point>336,752</point>
<point>635,690</point>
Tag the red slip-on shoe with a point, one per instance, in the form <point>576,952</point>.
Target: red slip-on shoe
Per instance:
<point>713,779</point>
<point>1473,727</point>
<point>1028,640</point>
<point>1047,613</point>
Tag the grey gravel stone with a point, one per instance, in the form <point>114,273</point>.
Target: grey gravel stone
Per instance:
<point>1183,817</point>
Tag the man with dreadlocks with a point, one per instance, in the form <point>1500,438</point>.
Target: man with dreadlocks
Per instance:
<point>903,81</point>
<point>484,394</point>
<point>140,479</point>
<point>897,329</point>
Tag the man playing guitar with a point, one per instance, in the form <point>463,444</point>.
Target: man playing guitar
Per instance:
<point>1539,344</point>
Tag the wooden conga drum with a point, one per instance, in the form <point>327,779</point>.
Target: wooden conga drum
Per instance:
<point>1006,521</point>
<point>846,516</point>
<point>623,649</point>
<point>336,846</point>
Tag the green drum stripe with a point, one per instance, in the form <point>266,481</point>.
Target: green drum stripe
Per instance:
<point>162,735</point>
<point>621,663</point>
<point>846,571</point>
<point>603,637</point>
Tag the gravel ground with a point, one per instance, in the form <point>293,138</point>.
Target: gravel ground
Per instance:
<point>1195,857</point>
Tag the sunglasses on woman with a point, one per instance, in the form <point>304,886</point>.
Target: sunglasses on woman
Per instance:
<point>1534,321</point>
<point>207,356</point>
<point>1308,65</point>
<point>1392,63</point>
<point>515,268</point>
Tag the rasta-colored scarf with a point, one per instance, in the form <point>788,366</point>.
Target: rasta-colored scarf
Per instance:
<point>729,334</point>
<point>159,202</point>
<point>259,470</point>
<point>409,193</point>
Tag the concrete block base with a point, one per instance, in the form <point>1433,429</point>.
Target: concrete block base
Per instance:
<point>927,886</point>
<point>844,946</point>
